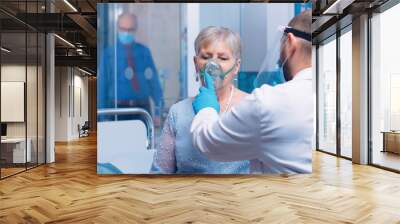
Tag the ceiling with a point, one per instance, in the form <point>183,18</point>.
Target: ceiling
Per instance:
<point>74,21</point>
<point>330,15</point>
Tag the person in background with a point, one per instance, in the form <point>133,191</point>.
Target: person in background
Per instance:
<point>130,67</point>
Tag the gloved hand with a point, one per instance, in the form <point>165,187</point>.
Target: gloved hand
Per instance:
<point>207,96</point>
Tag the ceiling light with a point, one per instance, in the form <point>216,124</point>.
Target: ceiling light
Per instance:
<point>64,40</point>
<point>5,50</point>
<point>84,71</point>
<point>337,7</point>
<point>70,5</point>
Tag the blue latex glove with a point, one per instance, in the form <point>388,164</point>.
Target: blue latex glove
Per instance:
<point>206,97</point>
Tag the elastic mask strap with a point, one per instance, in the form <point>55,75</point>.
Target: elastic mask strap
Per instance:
<point>229,71</point>
<point>298,33</point>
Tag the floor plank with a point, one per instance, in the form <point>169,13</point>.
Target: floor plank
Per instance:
<point>70,191</point>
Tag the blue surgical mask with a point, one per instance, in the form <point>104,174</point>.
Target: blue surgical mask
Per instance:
<point>279,77</point>
<point>280,69</point>
<point>126,37</point>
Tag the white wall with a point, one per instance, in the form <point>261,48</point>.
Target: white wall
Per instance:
<point>70,83</point>
<point>17,73</point>
<point>50,93</point>
<point>61,103</point>
<point>33,126</point>
<point>193,28</point>
<point>220,14</point>
<point>259,31</point>
<point>80,83</point>
<point>14,73</point>
<point>252,59</point>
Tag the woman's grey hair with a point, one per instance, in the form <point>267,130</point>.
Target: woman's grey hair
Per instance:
<point>212,34</point>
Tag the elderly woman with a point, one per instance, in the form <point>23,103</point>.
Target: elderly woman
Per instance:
<point>175,152</point>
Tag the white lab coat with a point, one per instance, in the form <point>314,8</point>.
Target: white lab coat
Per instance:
<point>272,128</point>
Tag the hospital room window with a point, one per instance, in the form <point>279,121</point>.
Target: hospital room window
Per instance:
<point>327,96</point>
<point>385,89</point>
<point>152,69</point>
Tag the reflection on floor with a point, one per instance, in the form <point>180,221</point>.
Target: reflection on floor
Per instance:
<point>387,159</point>
<point>346,152</point>
<point>10,169</point>
<point>70,191</point>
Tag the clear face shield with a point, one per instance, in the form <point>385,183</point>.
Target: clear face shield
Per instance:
<point>270,72</point>
<point>274,69</point>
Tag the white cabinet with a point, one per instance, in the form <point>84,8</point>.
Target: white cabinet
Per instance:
<point>19,155</point>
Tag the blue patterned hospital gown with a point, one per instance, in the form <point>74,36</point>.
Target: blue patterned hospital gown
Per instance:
<point>176,154</point>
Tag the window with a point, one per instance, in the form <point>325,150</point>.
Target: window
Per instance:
<point>346,93</point>
<point>385,89</point>
<point>327,96</point>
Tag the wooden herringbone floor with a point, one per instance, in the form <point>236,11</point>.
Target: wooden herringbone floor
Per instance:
<point>70,191</point>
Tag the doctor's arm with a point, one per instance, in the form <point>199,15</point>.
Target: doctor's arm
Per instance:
<point>233,136</point>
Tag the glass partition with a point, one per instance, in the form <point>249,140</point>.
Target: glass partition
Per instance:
<point>31,98</point>
<point>14,152</point>
<point>22,89</point>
